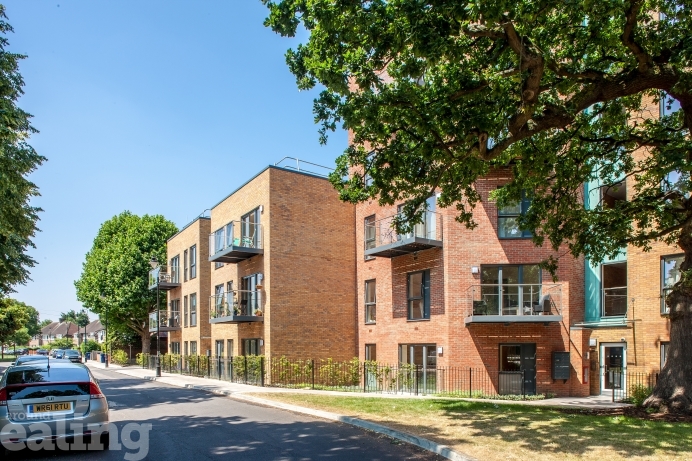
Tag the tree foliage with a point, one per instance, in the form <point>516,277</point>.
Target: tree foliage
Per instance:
<point>32,323</point>
<point>21,337</point>
<point>63,343</point>
<point>117,268</point>
<point>18,159</point>
<point>565,93</point>
<point>13,316</point>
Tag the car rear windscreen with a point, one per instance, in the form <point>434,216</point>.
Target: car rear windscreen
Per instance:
<point>41,391</point>
<point>38,374</point>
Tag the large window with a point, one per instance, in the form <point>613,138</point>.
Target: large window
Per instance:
<point>371,352</point>
<point>174,319</point>
<point>185,265</point>
<point>614,279</point>
<point>249,296</point>
<point>175,269</point>
<point>370,301</point>
<point>418,294</point>
<point>670,275</point>
<point>175,347</point>
<point>370,235</point>
<point>193,310</point>
<point>193,347</point>
<point>508,219</point>
<point>249,229</point>
<point>510,290</point>
<point>193,261</point>
<point>185,311</point>
<point>251,346</point>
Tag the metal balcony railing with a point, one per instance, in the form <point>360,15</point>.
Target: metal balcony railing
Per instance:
<point>168,322</point>
<point>235,237</point>
<point>164,275</point>
<point>615,302</point>
<point>382,239</point>
<point>236,303</point>
<point>530,302</point>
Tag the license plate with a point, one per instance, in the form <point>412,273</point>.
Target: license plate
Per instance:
<point>50,407</point>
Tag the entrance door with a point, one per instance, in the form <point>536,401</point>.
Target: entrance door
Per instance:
<point>515,359</point>
<point>613,366</point>
<point>424,357</point>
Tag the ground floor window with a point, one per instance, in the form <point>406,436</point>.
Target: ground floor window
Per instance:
<point>664,353</point>
<point>229,348</point>
<point>175,348</point>
<point>187,351</point>
<point>510,357</point>
<point>423,355</point>
<point>251,346</point>
<point>193,347</point>
<point>517,369</point>
<point>371,352</point>
<point>219,348</point>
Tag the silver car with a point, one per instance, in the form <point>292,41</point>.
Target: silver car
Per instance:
<point>46,402</point>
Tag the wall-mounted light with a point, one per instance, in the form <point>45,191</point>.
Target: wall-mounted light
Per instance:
<point>261,208</point>
<point>475,269</point>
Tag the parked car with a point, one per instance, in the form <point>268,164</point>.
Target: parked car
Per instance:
<point>72,355</point>
<point>59,394</point>
<point>29,358</point>
<point>58,353</point>
<point>42,352</point>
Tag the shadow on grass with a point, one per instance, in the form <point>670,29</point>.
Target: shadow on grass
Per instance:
<point>541,429</point>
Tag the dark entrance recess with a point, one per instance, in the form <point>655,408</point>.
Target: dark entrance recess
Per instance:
<point>515,359</point>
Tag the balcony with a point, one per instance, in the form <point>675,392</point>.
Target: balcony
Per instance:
<point>237,306</point>
<point>168,322</point>
<point>164,277</point>
<point>235,242</point>
<point>381,238</point>
<point>514,303</point>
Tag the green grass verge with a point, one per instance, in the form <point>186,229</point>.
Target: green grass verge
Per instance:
<point>491,431</point>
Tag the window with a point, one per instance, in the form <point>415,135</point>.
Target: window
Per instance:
<point>510,290</point>
<point>422,355</point>
<point>219,300</point>
<point>418,290</point>
<point>219,241</point>
<point>193,347</point>
<point>371,352</point>
<point>185,312</point>
<point>614,279</point>
<point>193,261</point>
<point>175,269</point>
<point>185,266</point>
<point>229,348</point>
<point>510,357</point>
<point>370,301</point>
<point>251,347</point>
<point>193,309</point>
<point>219,348</point>
<point>187,351</point>
<point>249,296</point>
<point>670,275</point>
<point>668,105</point>
<point>250,229</point>
<point>612,194</point>
<point>664,352</point>
<point>508,219</point>
<point>370,235</point>
<point>175,348</point>
<point>174,318</point>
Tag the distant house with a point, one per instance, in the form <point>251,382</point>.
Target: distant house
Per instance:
<point>57,330</point>
<point>94,332</point>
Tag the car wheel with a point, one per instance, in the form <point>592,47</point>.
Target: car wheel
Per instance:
<point>105,440</point>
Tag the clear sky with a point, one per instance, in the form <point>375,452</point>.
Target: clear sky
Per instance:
<point>157,107</point>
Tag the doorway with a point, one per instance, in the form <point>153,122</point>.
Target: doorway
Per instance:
<point>424,358</point>
<point>613,358</point>
<point>515,359</point>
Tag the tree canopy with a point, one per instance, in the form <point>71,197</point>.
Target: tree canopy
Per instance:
<point>18,217</point>
<point>114,280</point>
<point>437,93</point>
<point>13,316</point>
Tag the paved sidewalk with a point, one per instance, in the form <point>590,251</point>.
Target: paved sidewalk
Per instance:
<point>235,389</point>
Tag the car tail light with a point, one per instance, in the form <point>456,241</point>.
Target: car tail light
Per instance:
<point>3,397</point>
<point>95,392</point>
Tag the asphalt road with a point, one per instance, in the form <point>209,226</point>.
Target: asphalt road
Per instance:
<point>193,425</point>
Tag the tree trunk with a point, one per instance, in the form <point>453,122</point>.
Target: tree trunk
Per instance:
<point>673,391</point>
<point>146,342</point>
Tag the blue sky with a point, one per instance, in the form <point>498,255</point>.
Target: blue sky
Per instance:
<point>157,107</point>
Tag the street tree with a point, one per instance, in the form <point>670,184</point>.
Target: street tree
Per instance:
<point>438,93</point>
<point>32,324</point>
<point>20,337</point>
<point>114,280</point>
<point>18,217</point>
<point>12,317</point>
<point>45,323</point>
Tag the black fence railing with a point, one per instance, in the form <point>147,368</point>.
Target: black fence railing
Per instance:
<point>372,377</point>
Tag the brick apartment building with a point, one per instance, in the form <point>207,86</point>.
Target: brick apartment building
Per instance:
<point>271,272</point>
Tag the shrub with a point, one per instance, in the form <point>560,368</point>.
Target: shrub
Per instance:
<point>639,393</point>
<point>119,357</point>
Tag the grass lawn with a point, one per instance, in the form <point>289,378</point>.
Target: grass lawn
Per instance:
<point>489,431</point>
<point>9,358</point>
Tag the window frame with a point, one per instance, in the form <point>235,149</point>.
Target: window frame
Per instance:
<point>245,222</point>
<point>371,352</point>
<point>193,347</point>
<point>369,220</point>
<point>524,205</point>
<point>193,262</point>
<point>425,295</point>
<point>185,311</point>
<point>249,341</point>
<point>664,346</point>
<point>185,259</point>
<point>664,288</point>
<point>193,309</point>
<point>500,293</point>
<point>175,262</point>
<point>370,305</point>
